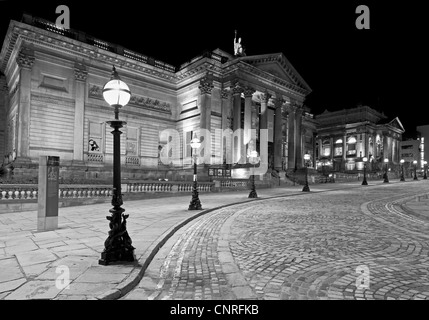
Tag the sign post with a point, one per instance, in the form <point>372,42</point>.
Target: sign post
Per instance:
<point>47,215</point>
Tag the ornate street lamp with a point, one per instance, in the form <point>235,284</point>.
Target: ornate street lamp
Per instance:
<point>195,201</point>
<point>306,159</point>
<point>253,159</point>
<point>415,170</point>
<point>425,169</point>
<point>117,246</point>
<point>402,170</point>
<point>386,177</point>
<point>364,182</point>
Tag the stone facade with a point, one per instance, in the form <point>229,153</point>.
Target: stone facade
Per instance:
<point>51,104</point>
<point>344,137</point>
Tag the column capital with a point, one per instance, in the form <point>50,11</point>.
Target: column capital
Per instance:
<point>80,72</point>
<point>264,97</point>
<point>248,92</point>
<point>237,88</point>
<point>25,58</point>
<point>206,85</point>
<point>278,102</point>
<point>291,108</point>
<point>224,93</point>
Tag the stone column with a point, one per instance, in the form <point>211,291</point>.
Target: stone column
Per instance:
<point>25,61</point>
<point>80,75</point>
<point>226,109</point>
<point>291,137</point>
<point>263,124</point>
<point>206,86</point>
<point>226,117</point>
<point>4,93</point>
<point>278,134</point>
<point>248,94</point>
<point>344,152</point>
<point>298,138</point>
<point>236,94</point>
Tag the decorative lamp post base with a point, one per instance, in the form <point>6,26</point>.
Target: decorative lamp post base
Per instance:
<point>118,245</point>
<point>195,201</point>
<point>364,183</point>
<point>386,178</point>
<point>306,188</point>
<point>402,179</point>
<point>253,194</point>
<point>415,178</point>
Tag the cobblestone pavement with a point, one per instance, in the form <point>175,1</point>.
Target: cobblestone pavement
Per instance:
<point>364,243</point>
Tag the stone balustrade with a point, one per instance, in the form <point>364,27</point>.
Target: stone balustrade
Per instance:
<point>234,183</point>
<point>30,191</point>
<point>167,186</point>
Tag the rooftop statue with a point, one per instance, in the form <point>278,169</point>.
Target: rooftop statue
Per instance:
<point>238,48</point>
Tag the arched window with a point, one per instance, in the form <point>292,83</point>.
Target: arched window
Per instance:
<point>326,148</point>
<point>338,148</point>
<point>351,147</point>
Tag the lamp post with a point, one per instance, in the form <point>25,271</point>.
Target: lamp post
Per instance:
<point>402,170</point>
<point>425,163</point>
<point>386,178</point>
<point>195,201</point>
<point>306,159</point>
<point>364,182</point>
<point>117,246</point>
<point>415,170</point>
<point>253,159</point>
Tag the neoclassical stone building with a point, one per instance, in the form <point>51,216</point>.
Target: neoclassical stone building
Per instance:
<point>51,104</point>
<point>346,136</point>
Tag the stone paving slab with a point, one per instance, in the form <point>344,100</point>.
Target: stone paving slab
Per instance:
<point>32,258</point>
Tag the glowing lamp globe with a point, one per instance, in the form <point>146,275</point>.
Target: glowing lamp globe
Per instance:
<point>116,92</point>
<point>402,161</point>
<point>415,161</point>
<point>306,157</point>
<point>195,142</point>
<point>254,154</point>
<point>365,159</point>
<point>386,160</point>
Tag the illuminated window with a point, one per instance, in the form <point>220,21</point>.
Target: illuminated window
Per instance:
<point>351,147</point>
<point>326,148</point>
<point>338,148</point>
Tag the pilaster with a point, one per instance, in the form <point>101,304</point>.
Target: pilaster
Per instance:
<point>80,75</point>
<point>25,61</point>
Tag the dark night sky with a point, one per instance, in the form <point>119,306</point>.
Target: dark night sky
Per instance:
<point>382,67</point>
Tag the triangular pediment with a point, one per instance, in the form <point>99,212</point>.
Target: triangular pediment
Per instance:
<point>278,66</point>
<point>396,123</point>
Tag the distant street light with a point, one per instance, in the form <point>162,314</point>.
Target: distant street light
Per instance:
<point>386,178</point>
<point>364,182</point>
<point>415,170</point>
<point>402,170</point>
<point>253,159</point>
<point>195,201</point>
<point>307,160</point>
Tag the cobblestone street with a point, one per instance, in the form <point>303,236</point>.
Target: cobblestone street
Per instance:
<point>359,243</point>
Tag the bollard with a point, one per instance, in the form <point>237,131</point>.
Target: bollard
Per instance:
<point>47,213</point>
